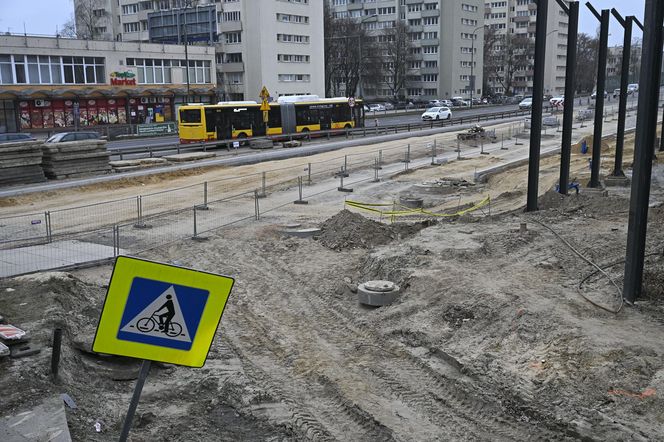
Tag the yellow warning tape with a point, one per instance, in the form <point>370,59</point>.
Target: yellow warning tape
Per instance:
<point>370,207</point>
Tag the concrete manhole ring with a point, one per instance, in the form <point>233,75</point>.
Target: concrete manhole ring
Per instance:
<point>379,285</point>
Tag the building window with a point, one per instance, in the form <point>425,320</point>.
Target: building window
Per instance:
<point>292,58</point>
<point>292,38</point>
<point>232,37</point>
<point>290,18</point>
<point>131,27</point>
<point>301,78</point>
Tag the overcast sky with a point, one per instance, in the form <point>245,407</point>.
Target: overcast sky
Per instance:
<point>44,16</point>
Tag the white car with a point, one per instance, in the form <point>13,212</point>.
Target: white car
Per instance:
<point>437,113</point>
<point>634,87</point>
<point>376,107</point>
<point>526,103</point>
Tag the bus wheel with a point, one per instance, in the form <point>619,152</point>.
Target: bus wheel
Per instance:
<point>242,137</point>
<point>348,126</point>
<point>305,133</point>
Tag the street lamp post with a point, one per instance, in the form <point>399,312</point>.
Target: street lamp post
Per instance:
<point>187,4</point>
<point>472,65</point>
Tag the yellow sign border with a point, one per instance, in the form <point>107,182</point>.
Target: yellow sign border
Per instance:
<point>125,270</point>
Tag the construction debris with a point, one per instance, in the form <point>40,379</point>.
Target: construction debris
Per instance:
<point>20,163</point>
<point>75,159</point>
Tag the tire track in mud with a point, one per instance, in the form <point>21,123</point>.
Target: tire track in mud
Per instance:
<point>338,410</point>
<point>454,410</point>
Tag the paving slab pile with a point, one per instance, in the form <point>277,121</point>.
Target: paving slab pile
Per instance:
<point>20,163</point>
<point>75,159</point>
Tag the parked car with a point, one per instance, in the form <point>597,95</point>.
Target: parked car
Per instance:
<point>13,137</point>
<point>388,106</point>
<point>634,87</point>
<point>437,113</point>
<point>376,107</point>
<point>594,95</point>
<point>63,137</point>
<point>459,102</point>
<point>526,103</point>
<point>446,103</point>
<point>434,103</point>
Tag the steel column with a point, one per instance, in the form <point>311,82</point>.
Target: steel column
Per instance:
<point>646,126</point>
<point>599,92</point>
<point>536,115</point>
<point>570,87</point>
<point>624,81</point>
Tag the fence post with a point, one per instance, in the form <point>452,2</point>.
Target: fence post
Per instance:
<point>433,153</point>
<point>408,154</point>
<point>299,188</point>
<point>380,159</point>
<point>341,187</point>
<point>47,224</point>
<point>502,142</point>
<point>205,196</point>
<point>263,192</point>
<point>257,211</point>
<point>376,167</point>
<point>309,173</point>
<point>116,240</point>
<point>138,212</point>
<point>346,165</point>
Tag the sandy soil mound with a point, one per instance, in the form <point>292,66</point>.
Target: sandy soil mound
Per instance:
<point>348,230</point>
<point>581,202</point>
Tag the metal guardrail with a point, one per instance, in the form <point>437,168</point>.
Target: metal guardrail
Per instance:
<point>169,147</point>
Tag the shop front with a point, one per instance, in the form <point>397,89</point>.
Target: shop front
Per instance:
<point>69,110</point>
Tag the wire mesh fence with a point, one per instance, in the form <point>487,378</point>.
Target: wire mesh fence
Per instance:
<point>74,236</point>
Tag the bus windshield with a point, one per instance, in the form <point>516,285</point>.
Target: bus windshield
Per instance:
<point>190,115</point>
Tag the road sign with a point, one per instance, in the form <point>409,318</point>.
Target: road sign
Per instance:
<point>351,102</point>
<point>161,312</point>
<point>265,106</point>
<point>264,94</point>
<point>265,116</point>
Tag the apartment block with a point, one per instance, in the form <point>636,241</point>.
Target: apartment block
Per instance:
<point>272,43</point>
<point>518,17</point>
<point>446,43</point>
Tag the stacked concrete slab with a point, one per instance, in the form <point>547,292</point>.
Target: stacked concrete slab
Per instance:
<point>20,163</point>
<point>75,159</point>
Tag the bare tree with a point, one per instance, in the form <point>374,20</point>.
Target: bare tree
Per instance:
<point>395,58</point>
<point>586,74</point>
<point>88,15</point>
<point>506,56</point>
<point>347,60</point>
<point>68,29</point>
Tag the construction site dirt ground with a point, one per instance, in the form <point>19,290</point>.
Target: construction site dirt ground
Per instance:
<point>492,337</point>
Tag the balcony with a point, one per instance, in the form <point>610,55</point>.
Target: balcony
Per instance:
<point>429,70</point>
<point>431,13</point>
<point>230,67</point>
<point>230,26</point>
<point>415,28</point>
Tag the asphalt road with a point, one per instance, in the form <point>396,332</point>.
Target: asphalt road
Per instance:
<point>384,119</point>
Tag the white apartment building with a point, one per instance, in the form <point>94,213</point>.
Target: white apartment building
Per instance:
<point>519,17</point>
<point>273,43</point>
<point>447,39</point>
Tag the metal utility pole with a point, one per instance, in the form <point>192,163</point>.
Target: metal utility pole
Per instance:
<point>646,126</point>
<point>626,23</point>
<point>599,91</point>
<point>536,114</point>
<point>570,86</point>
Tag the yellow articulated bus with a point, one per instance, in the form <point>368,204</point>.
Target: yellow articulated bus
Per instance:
<point>299,114</point>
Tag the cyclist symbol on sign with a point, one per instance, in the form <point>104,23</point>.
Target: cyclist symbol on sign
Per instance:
<point>162,321</point>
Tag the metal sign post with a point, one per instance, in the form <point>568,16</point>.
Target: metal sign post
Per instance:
<point>536,115</point>
<point>138,389</point>
<point>159,312</point>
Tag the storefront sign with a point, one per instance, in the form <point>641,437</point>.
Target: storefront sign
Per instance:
<point>155,129</point>
<point>125,78</point>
